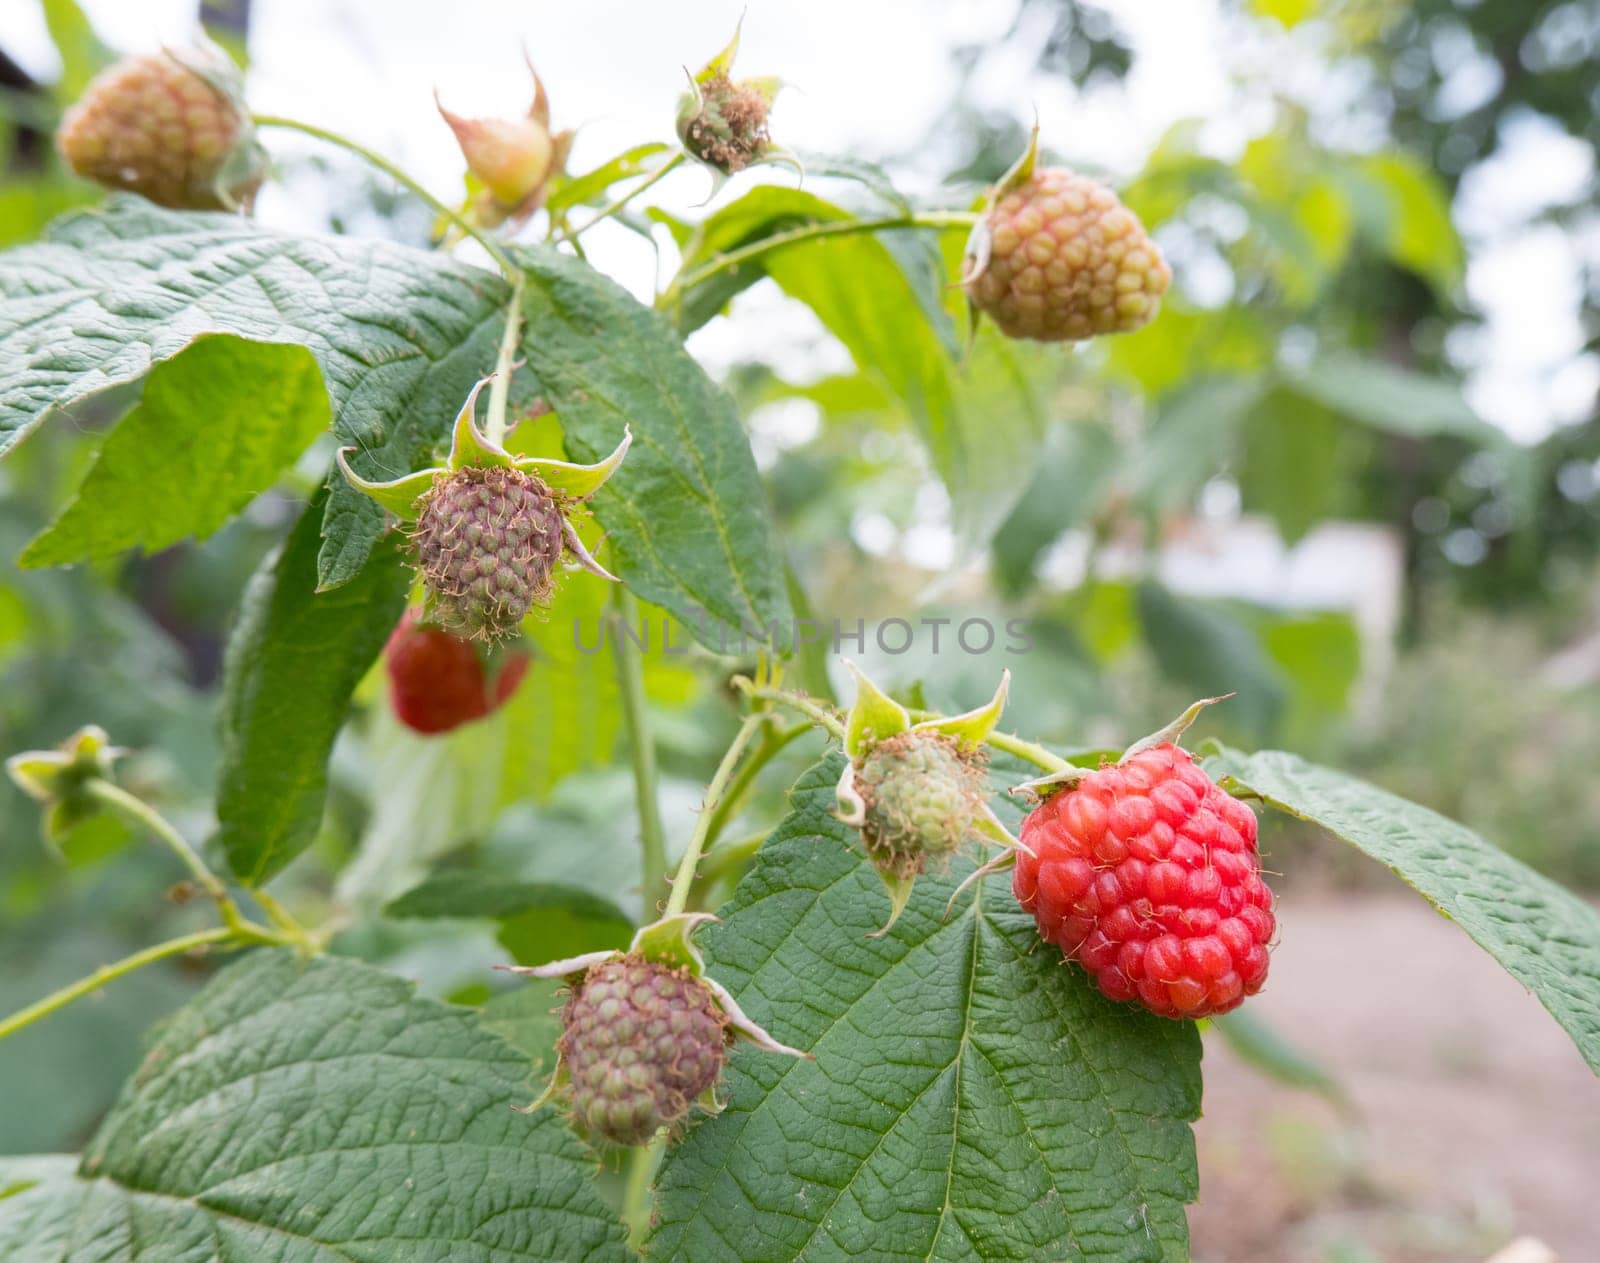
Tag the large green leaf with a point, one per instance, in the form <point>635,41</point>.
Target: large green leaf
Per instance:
<point>218,424</point>
<point>1393,399</point>
<point>401,334</point>
<point>883,296</point>
<point>970,1097</point>
<point>313,1111</point>
<point>1077,471</point>
<point>1546,937</point>
<point>1202,646</point>
<point>539,921</point>
<point>685,515</point>
<point>293,660</point>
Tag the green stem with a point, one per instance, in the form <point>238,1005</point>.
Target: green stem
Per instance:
<point>611,208</point>
<point>726,858</point>
<point>395,173</point>
<point>630,682</point>
<point>774,741</point>
<point>719,786</point>
<point>504,366</point>
<point>109,973</point>
<point>141,813</point>
<point>636,1200</point>
<point>813,711</point>
<point>808,232</point>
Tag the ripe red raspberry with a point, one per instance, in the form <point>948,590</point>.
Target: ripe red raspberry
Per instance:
<point>1146,873</point>
<point>1058,258</point>
<point>641,1040</point>
<point>169,127</point>
<point>438,681</point>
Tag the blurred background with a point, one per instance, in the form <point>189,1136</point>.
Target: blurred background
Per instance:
<point>1351,473</point>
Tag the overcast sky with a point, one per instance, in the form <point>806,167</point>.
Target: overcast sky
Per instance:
<point>867,77</point>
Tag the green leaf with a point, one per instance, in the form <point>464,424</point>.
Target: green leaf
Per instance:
<point>685,515</point>
<point>528,1017</point>
<point>312,1111</point>
<point>1076,473</point>
<point>1410,216</point>
<point>1202,646</point>
<point>970,1097</point>
<point>539,921</point>
<point>592,185</point>
<point>1194,433</point>
<point>292,663</point>
<point>1393,399</point>
<point>1290,12</point>
<point>883,295</point>
<point>1295,461</point>
<point>1546,937</point>
<point>82,53</point>
<point>401,334</point>
<point>217,425</point>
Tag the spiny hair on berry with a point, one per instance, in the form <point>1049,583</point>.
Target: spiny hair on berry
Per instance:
<point>921,791</point>
<point>641,1041</point>
<point>1059,258</point>
<point>487,542</point>
<point>1146,873</point>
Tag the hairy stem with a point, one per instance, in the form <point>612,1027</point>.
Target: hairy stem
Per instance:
<point>814,711</point>
<point>145,816</point>
<point>505,365</point>
<point>109,973</point>
<point>808,232</point>
<point>702,828</point>
<point>630,682</point>
<point>394,172</point>
<point>612,207</point>
<point>738,789</point>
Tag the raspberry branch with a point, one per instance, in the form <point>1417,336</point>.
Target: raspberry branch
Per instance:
<point>641,747</point>
<point>684,880</point>
<point>394,172</point>
<point>807,232</point>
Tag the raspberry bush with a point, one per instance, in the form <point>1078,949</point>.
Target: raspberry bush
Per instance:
<point>809,966</point>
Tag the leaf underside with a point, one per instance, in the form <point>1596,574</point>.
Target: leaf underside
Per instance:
<point>1546,937</point>
<point>971,1097</point>
<point>400,334</point>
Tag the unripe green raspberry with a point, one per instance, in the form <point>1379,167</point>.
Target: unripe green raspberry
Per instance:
<point>922,793</point>
<point>158,126</point>
<point>487,541</point>
<point>641,1041</point>
<point>1060,258</point>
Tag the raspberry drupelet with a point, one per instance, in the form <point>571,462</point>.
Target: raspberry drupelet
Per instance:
<point>1146,873</point>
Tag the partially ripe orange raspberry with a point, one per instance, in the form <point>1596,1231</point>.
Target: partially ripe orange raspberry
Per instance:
<point>158,126</point>
<point>1146,874</point>
<point>1059,257</point>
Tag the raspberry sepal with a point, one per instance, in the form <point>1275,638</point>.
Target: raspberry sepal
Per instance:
<point>915,791</point>
<point>58,779</point>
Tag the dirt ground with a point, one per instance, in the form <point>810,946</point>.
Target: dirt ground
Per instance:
<point>1474,1118</point>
